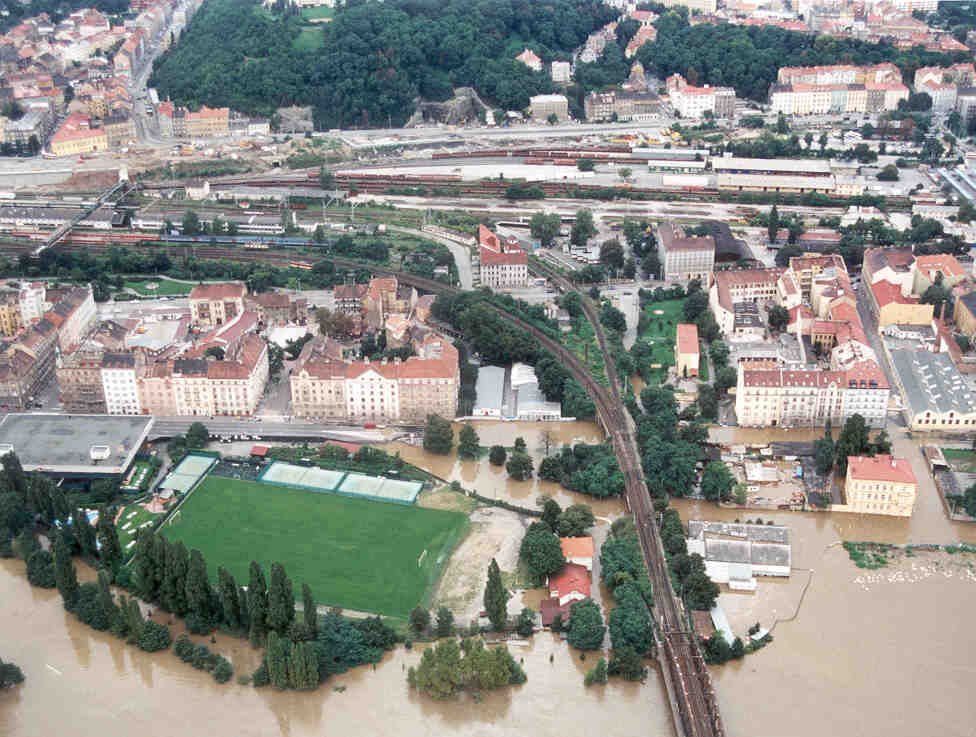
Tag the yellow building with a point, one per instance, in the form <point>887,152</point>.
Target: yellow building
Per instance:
<point>77,136</point>
<point>879,485</point>
<point>893,308</point>
<point>965,313</point>
<point>10,320</point>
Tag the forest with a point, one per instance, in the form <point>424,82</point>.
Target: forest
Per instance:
<point>748,57</point>
<point>377,58</point>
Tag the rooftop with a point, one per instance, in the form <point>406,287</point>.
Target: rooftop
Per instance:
<point>687,338</point>
<point>68,441</point>
<point>880,468</point>
<point>932,383</point>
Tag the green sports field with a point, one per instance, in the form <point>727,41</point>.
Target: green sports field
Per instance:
<point>159,287</point>
<point>354,553</point>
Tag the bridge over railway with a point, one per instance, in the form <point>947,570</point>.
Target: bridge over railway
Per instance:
<point>122,188</point>
<point>692,698</point>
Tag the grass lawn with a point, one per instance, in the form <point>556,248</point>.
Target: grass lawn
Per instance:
<point>659,327</point>
<point>164,288</point>
<point>134,516</point>
<point>960,459</point>
<point>309,38</point>
<point>322,11</point>
<point>581,340</point>
<point>354,553</point>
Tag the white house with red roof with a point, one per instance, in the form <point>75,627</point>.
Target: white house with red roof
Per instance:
<point>504,263</point>
<point>880,484</point>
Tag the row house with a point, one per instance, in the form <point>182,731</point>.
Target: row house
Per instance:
<point>77,135</point>
<point>324,387</point>
<point>277,308</point>
<point>211,305</point>
<point>27,364</point>
<point>942,84</point>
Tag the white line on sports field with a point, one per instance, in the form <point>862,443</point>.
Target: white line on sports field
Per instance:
<point>51,667</point>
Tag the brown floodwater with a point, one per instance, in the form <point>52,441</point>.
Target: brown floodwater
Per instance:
<point>885,653</point>
<point>84,682</point>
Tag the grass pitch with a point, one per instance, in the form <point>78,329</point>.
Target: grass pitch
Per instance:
<point>354,553</point>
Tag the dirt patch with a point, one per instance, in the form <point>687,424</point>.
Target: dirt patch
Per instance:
<point>447,499</point>
<point>494,533</point>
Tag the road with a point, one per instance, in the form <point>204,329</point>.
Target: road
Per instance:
<point>270,428</point>
<point>461,253</point>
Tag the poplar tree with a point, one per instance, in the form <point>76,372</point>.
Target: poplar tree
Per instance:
<point>257,604</point>
<point>144,566</point>
<point>277,657</point>
<point>84,532</point>
<point>108,537</point>
<point>496,597</point>
<point>173,593</point>
<point>229,601</point>
<point>104,600</point>
<point>133,615</point>
<point>198,587</point>
<point>159,551</point>
<point>281,600</point>
<point>309,610</point>
<point>64,573</point>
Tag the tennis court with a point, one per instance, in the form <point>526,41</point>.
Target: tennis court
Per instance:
<point>189,471</point>
<point>341,482</point>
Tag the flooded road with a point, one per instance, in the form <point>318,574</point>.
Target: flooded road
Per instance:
<point>886,653</point>
<point>84,682</point>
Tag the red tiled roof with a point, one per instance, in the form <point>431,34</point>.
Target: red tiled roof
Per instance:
<point>687,338</point>
<point>224,290</point>
<point>576,547</point>
<point>886,293</point>
<point>880,468</point>
<point>573,578</point>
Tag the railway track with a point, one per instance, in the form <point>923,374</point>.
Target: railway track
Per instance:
<point>693,701</point>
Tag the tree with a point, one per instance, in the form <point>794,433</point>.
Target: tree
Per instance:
<point>717,482</point>
<point>583,228</point>
<point>40,569</point>
<point>198,592</point>
<point>10,674</point>
<point>725,378</point>
<point>173,589</point>
<point>597,674</point>
<point>824,453</point>
<point>586,626</point>
<point>718,351</point>
<point>281,600</point>
<point>550,507</point>
<point>438,435</point>
<point>230,601</point>
<point>497,455</point>
<point>630,621</point>
<point>541,551</point>
<point>888,174</point>
<point>215,352</point>
<point>545,228</point>
<point>626,663</point>
<point>779,318</point>
<point>191,223</point>
<point>468,443</point>
<point>197,435</point>
<point>969,501</point>
<point>585,164</point>
<point>326,178</point>
<point>772,225</point>
<point>496,597</point>
<point>277,659</point>
<point>65,576</point>
<point>257,604</point>
<point>108,538</point>
<point>525,625</point>
<point>520,446</point>
<point>854,440</point>
<point>575,521</point>
<point>445,622</point>
<point>84,533</point>
<point>309,610</point>
<point>624,172</point>
<point>612,254</point>
<point>419,620</point>
<point>519,466</point>
<point>707,402</point>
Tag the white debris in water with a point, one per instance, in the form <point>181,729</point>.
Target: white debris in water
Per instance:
<point>913,571</point>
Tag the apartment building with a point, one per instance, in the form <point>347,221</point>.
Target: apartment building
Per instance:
<point>837,89</point>
<point>27,364</point>
<point>942,84</point>
<point>324,387</point>
<point>198,386</point>
<point>694,6</point>
<point>120,383</point>
<point>277,308</point>
<point>760,287</point>
<point>542,107</point>
<point>212,305</point>
<point>879,485</point>
<point>684,258</point>
<point>690,101</point>
<point>937,396</point>
<point>77,135</point>
<point>10,317</point>
<point>504,264</point>
<point>622,106</point>
<point>74,315</point>
<point>80,385</point>
<point>561,72</point>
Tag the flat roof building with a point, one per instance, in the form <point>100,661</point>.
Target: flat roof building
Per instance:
<point>936,396</point>
<point>74,445</point>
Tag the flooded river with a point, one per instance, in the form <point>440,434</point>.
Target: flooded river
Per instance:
<point>885,652</point>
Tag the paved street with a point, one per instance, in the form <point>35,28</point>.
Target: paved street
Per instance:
<point>165,427</point>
